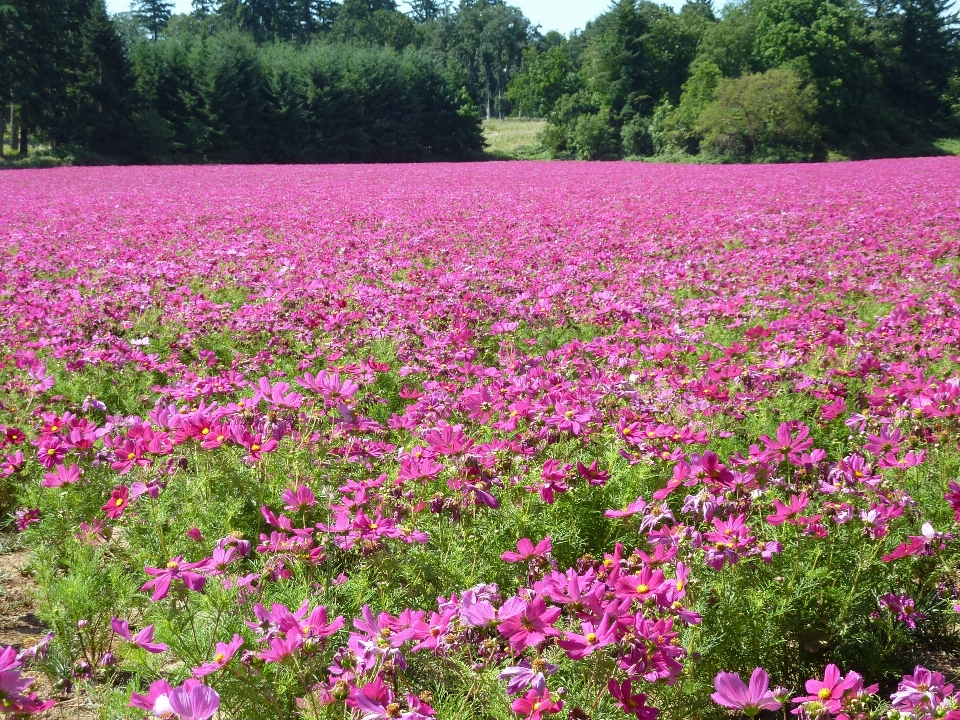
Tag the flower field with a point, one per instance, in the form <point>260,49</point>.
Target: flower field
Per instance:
<point>485,440</point>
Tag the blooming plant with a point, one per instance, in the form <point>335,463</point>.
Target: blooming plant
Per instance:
<point>533,441</point>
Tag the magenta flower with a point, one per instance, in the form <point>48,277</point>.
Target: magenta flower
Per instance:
<point>158,689</point>
<point>119,499</point>
<point>224,654</point>
<point>629,702</point>
<point>14,700</point>
<point>535,705</point>
<point>594,637</point>
<point>531,626</point>
<point>176,570</point>
<point>528,674</point>
<point>921,692</point>
<point>788,513</point>
<point>953,498</point>
<point>750,700</point>
<point>904,608</point>
<point>831,690</point>
<point>648,583</point>
<point>193,701</point>
<point>527,550</point>
<point>143,639</point>
<point>61,475</point>
<point>299,499</point>
<point>786,447</point>
<point>593,474</point>
<point>637,506</point>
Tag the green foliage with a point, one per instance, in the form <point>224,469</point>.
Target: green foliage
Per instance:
<point>761,114</point>
<point>545,78</point>
<point>220,97</point>
<point>486,39</point>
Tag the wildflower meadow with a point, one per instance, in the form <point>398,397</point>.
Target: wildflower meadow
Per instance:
<point>493,441</point>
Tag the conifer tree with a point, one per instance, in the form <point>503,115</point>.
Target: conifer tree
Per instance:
<point>152,14</point>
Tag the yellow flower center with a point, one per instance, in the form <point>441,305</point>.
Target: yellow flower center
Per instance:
<point>679,584</point>
<point>824,694</point>
<point>643,588</point>
<point>131,456</point>
<point>254,447</point>
<point>171,565</point>
<point>118,502</point>
<point>205,431</point>
<point>591,638</point>
<point>52,451</point>
<point>53,428</point>
<point>568,414</point>
<point>219,658</point>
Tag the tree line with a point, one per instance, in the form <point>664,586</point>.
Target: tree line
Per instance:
<point>318,80</point>
<point>761,80</point>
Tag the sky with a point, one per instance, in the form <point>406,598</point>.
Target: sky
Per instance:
<point>562,15</point>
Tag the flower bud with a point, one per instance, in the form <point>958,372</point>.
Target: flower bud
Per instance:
<point>341,690</point>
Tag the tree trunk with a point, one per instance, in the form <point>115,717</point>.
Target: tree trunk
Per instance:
<point>13,130</point>
<point>24,146</point>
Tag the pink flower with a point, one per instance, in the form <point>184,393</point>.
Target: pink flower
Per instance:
<point>193,701</point>
<point>143,639</point>
<point>786,447</point>
<point>831,689</point>
<point>527,550</point>
<point>637,506</point>
<point>534,705</point>
<point>648,583</point>
<point>119,499</point>
<point>904,608</point>
<point>158,689</point>
<point>299,499</point>
<point>178,570</point>
<point>593,474</point>
<point>788,513</point>
<point>224,654</point>
<point>594,637</point>
<point>921,692</point>
<point>953,497</point>
<point>531,626</point>
<point>750,700</point>
<point>630,703</point>
<point>61,475</point>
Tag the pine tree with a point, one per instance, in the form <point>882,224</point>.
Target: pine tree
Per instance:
<point>204,8</point>
<point>42,49</point>
<point>423,11</point>
<point>102,100</point>
<point>929,50</point>
<point>153,14</point>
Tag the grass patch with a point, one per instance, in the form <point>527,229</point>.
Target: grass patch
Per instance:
<point>514,139</point>
<point>950,146</point>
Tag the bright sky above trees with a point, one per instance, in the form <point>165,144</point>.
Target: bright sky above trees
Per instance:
<point>562,15</point>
